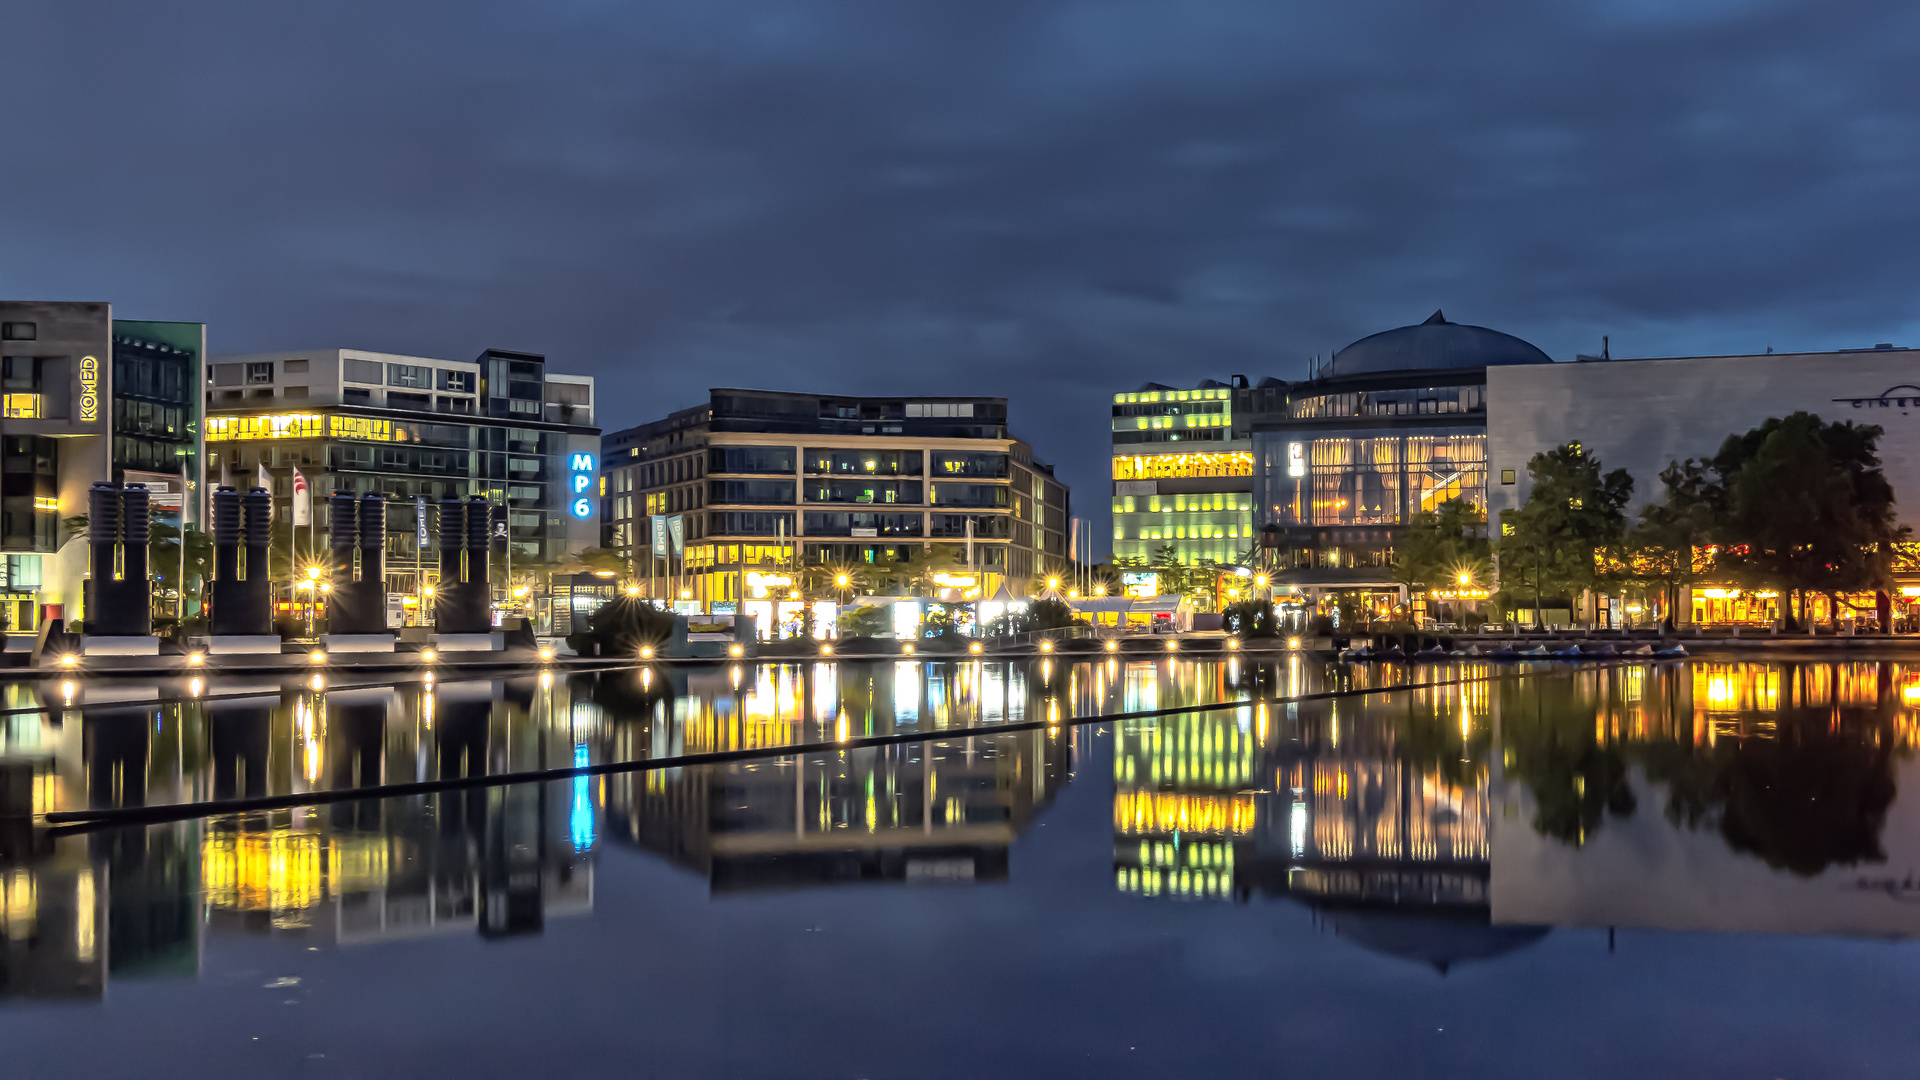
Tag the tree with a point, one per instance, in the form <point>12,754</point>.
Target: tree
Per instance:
<point>1045,615</point>
<point>913,575</point>
<point>1250,619</point>
<point>593,559</point>
<point>1574,513</point>
<point>1666,549</point>
<point>1802,506</point>
<point>1444,547</point>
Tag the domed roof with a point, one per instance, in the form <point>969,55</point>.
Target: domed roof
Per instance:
<point>1433,344</point>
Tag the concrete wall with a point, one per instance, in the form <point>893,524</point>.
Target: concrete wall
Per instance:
<point>1641,415</point>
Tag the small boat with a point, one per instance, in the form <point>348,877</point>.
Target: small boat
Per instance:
<point>1391,652</point>
<point>1678,652</point>
<point>1433,653</point>
<point>1537,650</point>
<point>1471,650</point>
<point>1605,650</point>
<point>1504,652</point>
<point>1361,653</point>
<point>1644,650</point>
<point>1571,652</point>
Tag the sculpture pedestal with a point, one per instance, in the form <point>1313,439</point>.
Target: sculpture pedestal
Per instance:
<point>470,642</point>
<point>144,645</point>
<point>235,644</point>
<point>357,643</point>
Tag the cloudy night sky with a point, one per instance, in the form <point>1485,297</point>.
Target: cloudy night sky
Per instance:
<point>1049,201</point>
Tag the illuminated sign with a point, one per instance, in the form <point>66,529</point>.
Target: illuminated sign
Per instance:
<point>89,388</point>
<point>300,426</point>
<point>1296,459</point>
<point>1173,466</point>
<point>1141,586</point>
<point>582,483</point>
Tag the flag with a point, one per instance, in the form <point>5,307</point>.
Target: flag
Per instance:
<point>302,503</point>
<point>265,483</point>
<point>969,542</point>
<point>659,534</point>
<point>677,530</point>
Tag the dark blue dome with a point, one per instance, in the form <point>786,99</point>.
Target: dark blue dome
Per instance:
<point>1433,344</point>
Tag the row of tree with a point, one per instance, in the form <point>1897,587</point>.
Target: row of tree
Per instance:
<point>1795,505</point>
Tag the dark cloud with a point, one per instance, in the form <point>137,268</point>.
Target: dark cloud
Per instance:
<point>1045,200</point>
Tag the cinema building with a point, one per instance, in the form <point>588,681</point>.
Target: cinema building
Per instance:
<point>1642,414</point>
<point>87,398</point>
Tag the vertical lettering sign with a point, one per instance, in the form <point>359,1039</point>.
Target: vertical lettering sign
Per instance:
<point>420,521</point>
<point>580,483</point>
<point>89,389</point>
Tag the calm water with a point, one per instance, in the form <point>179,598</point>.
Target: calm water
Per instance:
<point>1700,870</point>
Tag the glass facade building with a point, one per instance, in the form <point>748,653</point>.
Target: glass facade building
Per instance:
<point>1394,426</point>
<point>1182,475</point>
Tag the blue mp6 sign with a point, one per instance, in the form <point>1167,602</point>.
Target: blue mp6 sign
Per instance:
<point>582,485</point>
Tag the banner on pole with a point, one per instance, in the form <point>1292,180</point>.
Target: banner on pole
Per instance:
<point>265,483</point>
<point>420,522</point>
<point>677,529</point>
<point>302,504</point>
<point>660,534</point>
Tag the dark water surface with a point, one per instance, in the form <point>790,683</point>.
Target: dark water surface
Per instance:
<point>1703,870</point>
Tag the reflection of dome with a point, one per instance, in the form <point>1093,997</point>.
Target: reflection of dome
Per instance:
<point>1432,938</point>
<point>1435,343</point>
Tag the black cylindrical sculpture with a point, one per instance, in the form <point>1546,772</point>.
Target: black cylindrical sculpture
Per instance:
<point>479,542</point>
<point>373,541</point>
<point>119,598</point>
<point>358,603</point>
<point>226,536</point>
<point>136,532</point>
<point>463,600</point>
<point>242,588</point>
<point>342,536</point>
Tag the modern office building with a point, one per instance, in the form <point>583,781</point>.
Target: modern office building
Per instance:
<point>87,397</point>
<point>755,485</point>
<point>1394,425</point>
<point>1182,474</point>
<point>500,426</point>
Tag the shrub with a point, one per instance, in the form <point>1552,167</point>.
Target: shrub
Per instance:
<point>1250,619</point>
<point>621,626</point>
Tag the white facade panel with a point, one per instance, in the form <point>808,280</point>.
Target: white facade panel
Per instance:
<point>1641,415</point>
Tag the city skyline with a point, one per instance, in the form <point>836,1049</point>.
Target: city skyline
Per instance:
<point>1045,203</point>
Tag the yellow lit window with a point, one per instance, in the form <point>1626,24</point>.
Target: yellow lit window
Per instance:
<point>21,407</point>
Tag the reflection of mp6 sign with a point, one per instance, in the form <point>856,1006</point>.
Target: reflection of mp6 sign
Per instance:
<point>582,483</point>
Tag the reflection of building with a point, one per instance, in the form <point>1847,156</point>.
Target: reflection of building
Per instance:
<point>754,482</point>
<point>501,425</point>
<point>935,811</point>
<point>1182,474</point>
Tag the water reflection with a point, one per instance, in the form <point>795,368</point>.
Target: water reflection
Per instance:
<point>107,745</point>
<point>1439,825</point>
